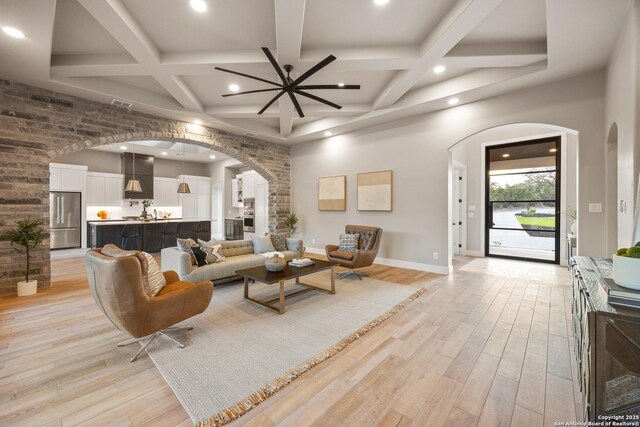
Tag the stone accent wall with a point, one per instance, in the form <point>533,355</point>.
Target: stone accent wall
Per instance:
<point>37,125</point>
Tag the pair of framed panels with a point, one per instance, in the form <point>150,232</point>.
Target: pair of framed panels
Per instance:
<point>375,192</point>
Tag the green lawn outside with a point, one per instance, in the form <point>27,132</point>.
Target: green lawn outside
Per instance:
<point>538,221</point>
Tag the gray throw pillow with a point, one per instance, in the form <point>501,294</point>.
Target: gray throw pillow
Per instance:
<point>348,242</point>
<point>185,245</point>
<point>262,244</point>
<point>214,253</point>
<point>279,241</point>
<point>211,242</point>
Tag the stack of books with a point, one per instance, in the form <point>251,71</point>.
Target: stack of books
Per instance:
<point>301,262</point>
<point>620,295</point>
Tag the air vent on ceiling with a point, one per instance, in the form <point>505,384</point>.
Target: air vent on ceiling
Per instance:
<point>122,104</point>
<point>249,134</point>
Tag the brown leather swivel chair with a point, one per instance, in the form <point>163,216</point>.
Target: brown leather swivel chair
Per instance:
<point>368,245</point>
<point>117,288</point>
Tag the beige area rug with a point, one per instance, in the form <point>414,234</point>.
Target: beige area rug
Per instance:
<point>239,353</point>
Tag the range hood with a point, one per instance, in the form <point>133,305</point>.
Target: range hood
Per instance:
<point>144,174</point>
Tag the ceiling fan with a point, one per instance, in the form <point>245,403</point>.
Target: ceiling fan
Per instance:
<point>289,86</point>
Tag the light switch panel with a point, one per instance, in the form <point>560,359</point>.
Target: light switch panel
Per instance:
<point>595,207</point>
<point>471,208</point>
<point>471,214</point>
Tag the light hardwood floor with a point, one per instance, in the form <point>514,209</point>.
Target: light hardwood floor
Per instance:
<point>488,345</point>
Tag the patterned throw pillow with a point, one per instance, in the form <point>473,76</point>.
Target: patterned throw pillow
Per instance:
<point>154,280</point>
<point>279,241</point>
<point>185,245</point>
<point>214,253</point>
<point>348,242</point>
<point>200,255</point>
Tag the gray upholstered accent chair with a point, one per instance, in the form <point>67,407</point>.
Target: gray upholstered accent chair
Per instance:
<point>368,245</point>
<point>117,288</point>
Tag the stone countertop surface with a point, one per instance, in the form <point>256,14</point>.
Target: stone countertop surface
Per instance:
<point>234,219</point>
<point>122,222</point>
<point>593,272</point>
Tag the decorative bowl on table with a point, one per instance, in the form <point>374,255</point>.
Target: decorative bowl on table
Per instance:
<point>275,263</point>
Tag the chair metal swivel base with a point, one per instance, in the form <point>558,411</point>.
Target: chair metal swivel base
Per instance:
<point>145,341</point>
<point>349,273</point>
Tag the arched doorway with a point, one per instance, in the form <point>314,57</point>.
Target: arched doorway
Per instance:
<point>470,151</point>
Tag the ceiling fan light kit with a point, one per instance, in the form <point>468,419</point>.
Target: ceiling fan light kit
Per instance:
<point>290,86</point>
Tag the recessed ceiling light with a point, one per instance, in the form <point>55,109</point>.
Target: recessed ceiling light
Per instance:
<point>341,84</point>
<point>553,150</point>
<point>164,153</point>
<point>13,32</point>
<point>328,133</point>
<point>505,155</point>
<point>234,87</point>
<point>123,147</point>
<point>212,156</point>
<point>439,69</point>
<point>453,101</point>
<point>381,2</point>
<point>197,121</point>
<point>198,5</point>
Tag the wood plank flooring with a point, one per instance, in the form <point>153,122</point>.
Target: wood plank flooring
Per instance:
<point>486,346</point>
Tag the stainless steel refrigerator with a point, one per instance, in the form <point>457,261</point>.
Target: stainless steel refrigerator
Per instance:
<point>64,222</point>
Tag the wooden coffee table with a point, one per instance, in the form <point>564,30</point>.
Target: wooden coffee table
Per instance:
<point>261,274</point>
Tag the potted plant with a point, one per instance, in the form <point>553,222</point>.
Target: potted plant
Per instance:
<point>291,222</point>
<point>29,235</point>
<point>145,205</point>
<point>573,214</point>
<point>626,267</point>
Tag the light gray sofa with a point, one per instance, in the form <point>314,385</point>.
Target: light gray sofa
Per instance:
<point>238,253</point>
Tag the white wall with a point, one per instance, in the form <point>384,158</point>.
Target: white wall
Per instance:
<point>623,109</point>
<point>416,149</point>
<point>222,172</point>
<point>470,152</point>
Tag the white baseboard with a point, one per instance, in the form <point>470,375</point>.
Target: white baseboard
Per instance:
<point>440,269</point>
<point>473,253</point>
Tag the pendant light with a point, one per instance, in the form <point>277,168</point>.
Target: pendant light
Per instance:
<point>183,188</point>
<point>134,185</point>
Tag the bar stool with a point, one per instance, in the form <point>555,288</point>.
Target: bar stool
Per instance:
<point>169,235</point>
<point>203,232</point>
<point>131,231</point>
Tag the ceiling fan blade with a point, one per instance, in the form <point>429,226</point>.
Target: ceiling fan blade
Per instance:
<point>275,98</point>
<point>273,61</point>
<point>317,98</point>
<point>296,104</point>
<point>311,71</point>
<point>248,76</point>
<point>251,91</point>
<point>311,87</point>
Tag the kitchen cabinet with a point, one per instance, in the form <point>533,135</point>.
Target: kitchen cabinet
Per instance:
<point>197,204</point>
<point>249,185</point>
<point>66,177</point>
<point>166,192</point>
<point>233,229</point>
<point>237,200</point>
<point>104,189</point>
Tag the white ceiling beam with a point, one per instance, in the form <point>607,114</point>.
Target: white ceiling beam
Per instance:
<point>315,110</point>
<point>367,59</point>
<point>458,22</point>
<point>289,22</point>
<point>482,55</point>
<point>117,20</point>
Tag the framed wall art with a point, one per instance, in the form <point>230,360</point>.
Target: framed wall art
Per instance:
<point>375,191</point>
<point>332,193</point>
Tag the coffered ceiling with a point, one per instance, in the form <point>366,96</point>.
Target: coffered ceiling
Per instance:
<point>160,54</point>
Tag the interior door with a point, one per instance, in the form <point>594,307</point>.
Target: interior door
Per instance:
<point>455,211</point>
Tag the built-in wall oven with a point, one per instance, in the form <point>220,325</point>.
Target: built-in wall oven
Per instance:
<point>248,217</point>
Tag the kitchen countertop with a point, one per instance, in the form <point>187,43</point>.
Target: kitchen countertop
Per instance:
<point>122,222</point>
<point>234,219</point>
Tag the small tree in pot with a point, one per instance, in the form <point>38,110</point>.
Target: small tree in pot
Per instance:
<point>29,235</point>
<point>291,222</point>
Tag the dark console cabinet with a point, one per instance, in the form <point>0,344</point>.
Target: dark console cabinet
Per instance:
<point>606,343</point>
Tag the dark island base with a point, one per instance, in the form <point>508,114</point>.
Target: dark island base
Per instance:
<point>150,239</point>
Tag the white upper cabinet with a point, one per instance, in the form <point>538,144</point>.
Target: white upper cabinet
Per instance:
<point>66,177</point>
<point>249,185</point>
<point>104,189</point>
<point>197,204</point>
<point>165,192</point>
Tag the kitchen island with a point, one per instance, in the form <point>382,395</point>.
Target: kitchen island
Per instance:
<point>103,232</point>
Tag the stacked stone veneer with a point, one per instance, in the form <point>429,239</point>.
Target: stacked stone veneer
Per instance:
<point>37,125</point>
